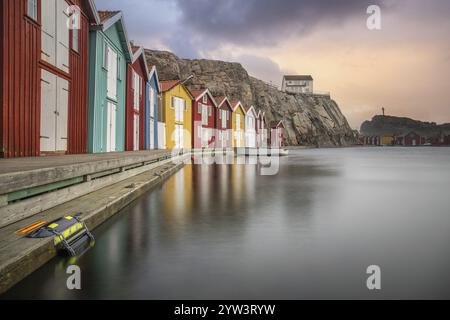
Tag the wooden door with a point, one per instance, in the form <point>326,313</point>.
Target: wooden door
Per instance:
<point>179,136</point>
<point>48,109</point>
<point>136,133</point>
<point>152,118</point>
<point>62,112</point>
<point>152,134</point>
<point>111,127</point>
<point>54,112</point>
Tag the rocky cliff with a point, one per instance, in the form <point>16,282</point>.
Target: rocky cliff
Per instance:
<point>380,125</point>
<point>309,120</point>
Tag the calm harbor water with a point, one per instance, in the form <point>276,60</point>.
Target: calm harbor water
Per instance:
<point>226,232</point>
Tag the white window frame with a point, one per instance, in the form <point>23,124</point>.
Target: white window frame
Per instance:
<point>119,69</point>
<point>136,142</point>
<point>105,56</point>
<point>136,82</point>
<point>205,99</point>
<point>32,9</point>
<point>178,104</point>
<point>224,118</point>
<point>111,94</point>
<point>205,114</point>
<point>151,97</point>
<point>76,40</point>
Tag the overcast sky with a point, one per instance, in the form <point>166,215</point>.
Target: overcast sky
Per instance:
<point>404,67</point>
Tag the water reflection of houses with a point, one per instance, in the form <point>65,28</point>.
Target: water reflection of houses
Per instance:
<point>178,196</point>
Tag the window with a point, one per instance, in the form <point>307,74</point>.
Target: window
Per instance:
<point>119,69</point>
<point>204,115</point>
<point>75,40</point>
<point>209,111</point>
<point>137,89</point>
<point>205,99</point>
<point>224,118</point>
<point>105,55</point>
<point>199,108</point>
<point>55,35</point>
<point>178,104</point>
<point>32,9</point>
<point>112,73</point>
<point>152,102</point>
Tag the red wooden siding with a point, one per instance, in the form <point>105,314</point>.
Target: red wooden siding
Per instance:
<point>78,92</point>
<point>20,86</point>
<point>130,111</point>
<point>197,120</point>
<point>20,44</point>
<point>218,123</point>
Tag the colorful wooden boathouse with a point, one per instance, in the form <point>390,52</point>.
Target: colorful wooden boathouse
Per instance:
<point>177,109</point>
<point>137,78</point>
<point>238,124</point>
<point>224,128</point>
<point>110,52</point>
<point>261,130</point>
<point>43,76</point>
<point>277,137</point>
<point>250,127</point>
<point>203,119</point>
<point>152,91</point>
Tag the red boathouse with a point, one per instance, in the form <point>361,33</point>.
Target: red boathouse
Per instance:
<point>277,134</point>
<point>224,131</point>
<point>261,131</point>
<point>44,76</point>
<point>137,77</point>
<point>203,119</point>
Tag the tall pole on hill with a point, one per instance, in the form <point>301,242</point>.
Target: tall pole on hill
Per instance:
<point>383,111</point>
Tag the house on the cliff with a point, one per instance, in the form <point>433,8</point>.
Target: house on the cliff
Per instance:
<point>110,53</point>
<point>44,71</point>
<point>224,123</point>
<point>277,134</point>
<point>177,110</point>
<point>297,84</point>
<point>137,78</point>
<point>203,119</point>
<point>238,124</point>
